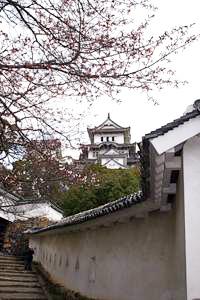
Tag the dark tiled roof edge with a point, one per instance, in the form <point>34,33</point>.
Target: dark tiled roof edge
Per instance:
<point>95,213</point>
<point>175,123</point>
<point>144,145</point>
<point>11,195</point>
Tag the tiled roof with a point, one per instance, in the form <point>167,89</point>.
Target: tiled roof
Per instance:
<point>97,212</point>
<point>18,200</point>
<point>128,145</point>
<point>12,196</point>
<point>111,122</point>
<point>144,145</point>
<point>177,122</point>
<point>39,201</point>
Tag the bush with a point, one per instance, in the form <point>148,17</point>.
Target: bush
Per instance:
<point>100,186</point>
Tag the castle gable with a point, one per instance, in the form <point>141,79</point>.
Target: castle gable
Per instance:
<point>111,152</point>
<point>113,164</point>
<point>108,124</point>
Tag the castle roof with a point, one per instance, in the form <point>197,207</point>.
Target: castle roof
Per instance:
<point>107,126</point>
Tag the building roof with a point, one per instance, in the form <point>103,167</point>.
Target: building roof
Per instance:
<point>109,122</point>
<point>18,200</point>
<point>12,196</point>
<point>113,144</point>
<point>40,201</point>
<point>175,123</point>
<point>13,206</point>
<point>149,138</point>
<point>107,126</point>
<point>97,212</point>
<point>115,162</point>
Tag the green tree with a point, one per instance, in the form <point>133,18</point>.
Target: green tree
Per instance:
<point>99,186</point>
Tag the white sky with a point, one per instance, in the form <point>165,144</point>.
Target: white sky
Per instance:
<point>135,110</point>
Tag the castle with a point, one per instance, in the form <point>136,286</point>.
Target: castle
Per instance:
<point>110,145</point>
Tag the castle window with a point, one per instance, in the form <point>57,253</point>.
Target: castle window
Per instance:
<point>94,154</point>
<point>113,138</point>
<point>107,138</point>
<point>102,138</point>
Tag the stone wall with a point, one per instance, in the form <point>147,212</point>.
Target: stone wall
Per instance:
<point>3,224</point>
<point>15,241</point>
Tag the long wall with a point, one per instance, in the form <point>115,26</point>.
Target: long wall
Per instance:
<point>179,261</point>
<point>191,166</point>
<point>129,261</point>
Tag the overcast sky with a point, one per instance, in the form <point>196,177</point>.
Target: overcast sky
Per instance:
<point>135,110</point>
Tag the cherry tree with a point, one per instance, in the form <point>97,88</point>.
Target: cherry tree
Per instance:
<point>53,50</point>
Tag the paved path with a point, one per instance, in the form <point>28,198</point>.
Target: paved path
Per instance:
<point>16,283</point>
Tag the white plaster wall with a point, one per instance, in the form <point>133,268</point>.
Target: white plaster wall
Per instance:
<point>119,137</point>
<point>179,264</point>
<point>113,165</point>
<point>191,168</point>
<point>130,261</point>
<point>90,155</point>
<point>119,160</point>
<point>37,210</point>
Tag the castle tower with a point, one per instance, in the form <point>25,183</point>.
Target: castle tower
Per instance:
<point>110,145</point>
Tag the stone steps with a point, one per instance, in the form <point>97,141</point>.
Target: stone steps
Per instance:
<point>20,289</point>
<point>17,283</point>
<point>22,296</point>
<point>11,263</point>
<point>11,258</point>
<point>12,271</point>
<point>12,267</point>
<point>18,278</point>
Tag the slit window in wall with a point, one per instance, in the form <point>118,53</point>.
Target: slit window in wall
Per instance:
<point>92,269</point>
<point>107,138</point>
<point>67,262</point>
<point>77,264</point>
<point>101,138</point>
<point>113,138</point>
<point>60,262</point>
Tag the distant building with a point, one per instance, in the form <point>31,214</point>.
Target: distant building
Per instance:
<point>110,145</point>
<point>14,207</point>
